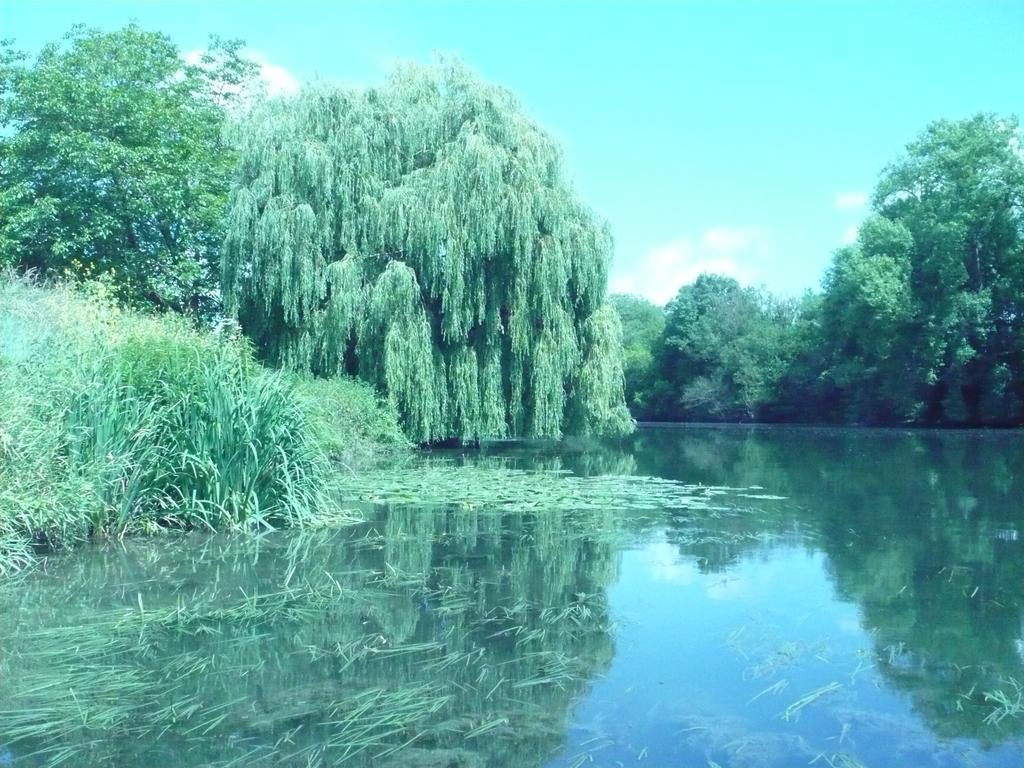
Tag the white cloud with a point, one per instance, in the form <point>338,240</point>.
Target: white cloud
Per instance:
<point>850,236</point>
<point>848,200</point>
<point>665,268</point>
<point>276,79</point>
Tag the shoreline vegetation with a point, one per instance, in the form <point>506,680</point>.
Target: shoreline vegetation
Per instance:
<point>114,422</point>
<point>423,236</point>
<point>920,319</point>
<point>228,321</point>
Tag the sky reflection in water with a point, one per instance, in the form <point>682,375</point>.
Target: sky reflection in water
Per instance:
<point>860,620</point>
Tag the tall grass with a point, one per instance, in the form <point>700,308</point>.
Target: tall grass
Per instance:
<point>112,423</point>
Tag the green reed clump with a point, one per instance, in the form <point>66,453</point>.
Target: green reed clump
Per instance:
<point>352,422</point>
<point>113,422</point>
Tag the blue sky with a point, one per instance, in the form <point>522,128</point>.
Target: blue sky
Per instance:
<point>738,137</point>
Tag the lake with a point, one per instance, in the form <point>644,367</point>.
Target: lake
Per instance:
<point>695,596</point>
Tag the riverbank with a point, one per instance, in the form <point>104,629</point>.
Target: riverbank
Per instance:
<point>115,423</point>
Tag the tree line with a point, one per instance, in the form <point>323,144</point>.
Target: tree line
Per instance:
<point>921,320</point>
<point>423,235</point>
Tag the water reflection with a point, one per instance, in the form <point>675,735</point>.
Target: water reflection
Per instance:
<point>423,637</point>
<point>857,601</point>
<point>922,530</point>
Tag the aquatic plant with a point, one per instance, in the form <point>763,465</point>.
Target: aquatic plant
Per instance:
<point>1007,701</point>
<point>501,487</point>
<point>119,422</point>
<point>420,634</point>
<point>423,235</point>
<point>793,710</point>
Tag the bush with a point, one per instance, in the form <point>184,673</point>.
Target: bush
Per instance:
<point>351,421</point>
<point>113,423</point>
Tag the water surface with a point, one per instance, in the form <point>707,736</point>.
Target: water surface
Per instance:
<point>841,598</point>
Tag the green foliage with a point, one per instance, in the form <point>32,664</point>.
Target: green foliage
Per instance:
<point>113,163</point>
<point>723,352</point>
<point>867,313</point>
<point>349,419</point>
<point>921,320</point>
<point>924,316</point>
<point>113,423</point>
<point>642,326</point>
<point>422,235</point>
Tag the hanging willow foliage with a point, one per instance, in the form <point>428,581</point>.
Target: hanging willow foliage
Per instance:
<point>424,237</point>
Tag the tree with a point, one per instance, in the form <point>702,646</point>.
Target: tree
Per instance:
<point>423,235</point>
<point>723,351</point>
<point>925,315</point>
<point>113,163</point>
<point>959,190</point>
<point>805,392</point>
<point>698,320</point>
<point>869,318</point>
<point>642,326</point>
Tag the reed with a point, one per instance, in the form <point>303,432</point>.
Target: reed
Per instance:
<point>115,422</point>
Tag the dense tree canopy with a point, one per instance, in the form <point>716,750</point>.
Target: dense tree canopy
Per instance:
<point>113,163</point>
<point>642,325</point>
<point>722,354</point>
<point>423,235</point>
<point>920,320</point>
<point>923,314</point>
<point>867,322</point>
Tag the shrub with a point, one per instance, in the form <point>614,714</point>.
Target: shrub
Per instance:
<point>114,423</point>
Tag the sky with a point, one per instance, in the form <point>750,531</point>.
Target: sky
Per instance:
<point>734,137</point>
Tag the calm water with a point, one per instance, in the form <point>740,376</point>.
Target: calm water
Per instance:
<point>873,615</point>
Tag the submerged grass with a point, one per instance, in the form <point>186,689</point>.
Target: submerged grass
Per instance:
<point>793,711</point>
<point>1007,702</point>
<point>307,649</point>
<point>114,422</point>
<point>532,490</point>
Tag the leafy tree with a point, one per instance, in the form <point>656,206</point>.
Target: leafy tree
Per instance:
<point>921,320</point>
<point>699,320</point>
<point>805,391</point>
<point>723,352</point>
<point>959,190</point>
<point>925,315</point>
<point>113,164</point>
<point>423,235</point>
<point>868,313</point>
<point>642,326</point>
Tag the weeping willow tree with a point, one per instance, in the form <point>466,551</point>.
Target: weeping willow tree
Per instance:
<point>423,236</point>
